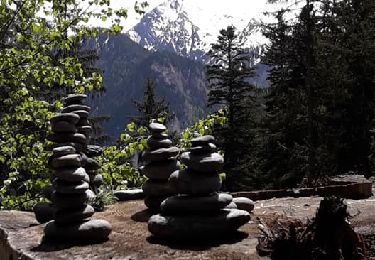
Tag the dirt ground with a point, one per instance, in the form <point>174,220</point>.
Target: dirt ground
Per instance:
<point>130,238</point>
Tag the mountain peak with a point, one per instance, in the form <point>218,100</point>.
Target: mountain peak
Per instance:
<point>175,4</point>
<point>189,27</point>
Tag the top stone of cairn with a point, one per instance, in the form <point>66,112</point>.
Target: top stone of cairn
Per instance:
<point>157,128</point>
<point>202,140</point>
<point>74,99</point>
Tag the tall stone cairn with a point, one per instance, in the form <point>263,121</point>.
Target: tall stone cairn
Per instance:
<point>71,182</point>
<point>198,210</point>
<point>161,162</point>
<point>74,104</point>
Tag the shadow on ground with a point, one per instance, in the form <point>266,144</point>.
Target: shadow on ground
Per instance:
<point>141,216</point>
<point>199,244</point>
<point>57,245</point>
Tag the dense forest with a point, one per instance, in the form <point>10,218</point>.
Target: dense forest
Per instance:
<point>315,120</point>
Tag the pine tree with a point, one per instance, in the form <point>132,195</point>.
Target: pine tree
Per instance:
<point>228,75</point>
<point>282,123</point>
<point>356,23</point>
<point>320,109</point>
<point>291,146</point>
<point>151,107</point>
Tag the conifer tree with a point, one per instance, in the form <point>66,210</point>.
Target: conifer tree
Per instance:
<point>290,151</point>
<point>228,75</point>
<point>329,66</point>
<point>151,107</point>
<point>356,22</point>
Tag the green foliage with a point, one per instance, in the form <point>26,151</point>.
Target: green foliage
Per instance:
<point>202,127</point>
<point>39,62</point>
<point>115,163</point>
<point>103,198</point>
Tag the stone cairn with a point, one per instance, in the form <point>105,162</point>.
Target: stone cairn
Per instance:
<point>161,162</point>
<point>74,104</point>
<point>71,188</point>
<point>198,210</point>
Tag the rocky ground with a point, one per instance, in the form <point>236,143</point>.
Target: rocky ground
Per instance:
<point>21,235</point>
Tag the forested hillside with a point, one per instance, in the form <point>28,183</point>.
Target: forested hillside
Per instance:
<point>127,66</point>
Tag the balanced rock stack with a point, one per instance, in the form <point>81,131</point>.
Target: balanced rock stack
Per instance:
<point>92,165</point>
<point>161,162</point>
<point>74,104</point>
<point>71,189</point>
<point>198,210</point>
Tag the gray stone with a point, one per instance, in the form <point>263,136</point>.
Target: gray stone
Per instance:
<point>181,204</point>
<point>84,161</point>
<point>90,194</point>
<point>89,231</point>
<point>160,154</point>
<point>68,138</point>
<point>124,195</point>
<point>202,140</point>
<point>72,174</point>
<point>65,201</point>
<point>206,149</point>
<point>74,99</point>
<point>83,122</point>
<point>74,215</point>
<point>91,164</point>
<point>68,117</point>
<point>154,188</point>
<point>196,226</point>
<point>153,203</point>
<point>44,212</point>
<point>231,205</point>
<point>94,150</point>
<point>69,160</point>
<point>83,114</point>
<point>159,136</point>
<point>160,170</point>
<point>70,188</point>
<point>63,150</point>
<point>157,128</point>
<point>97,180</point>
<point>210,163</point>
<point>46,192</point>
<point>244,204</point>
<point>75,107</point>
<point>79,147</point>
<point>85,129</point>
<point>154,144</point>
<point>63,127</point>
<point>189,182</point>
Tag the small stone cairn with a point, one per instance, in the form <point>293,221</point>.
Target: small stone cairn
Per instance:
<point>161,162</point>
<point>198,210</point>
<point>96,179</point>
<point>74,104</point>
<point>71,188</point>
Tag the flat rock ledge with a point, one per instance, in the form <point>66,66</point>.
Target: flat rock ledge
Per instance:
<point>345,186</point>
<point>21,236</point>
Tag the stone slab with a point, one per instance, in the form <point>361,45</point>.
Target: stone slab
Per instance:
<point>21,235</point>
<point>198,226</point>
<point>124,195</point>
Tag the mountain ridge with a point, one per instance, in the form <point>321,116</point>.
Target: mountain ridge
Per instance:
<point>188,30</point>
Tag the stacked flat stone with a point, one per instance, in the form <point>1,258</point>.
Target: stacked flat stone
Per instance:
<point>198,210</point>
<point>71,188</point>
<point>161,162</point>
<point>74,103</point>
<point>92,165</point>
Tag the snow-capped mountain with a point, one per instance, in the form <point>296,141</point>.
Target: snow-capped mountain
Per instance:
<point>188,27</point>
